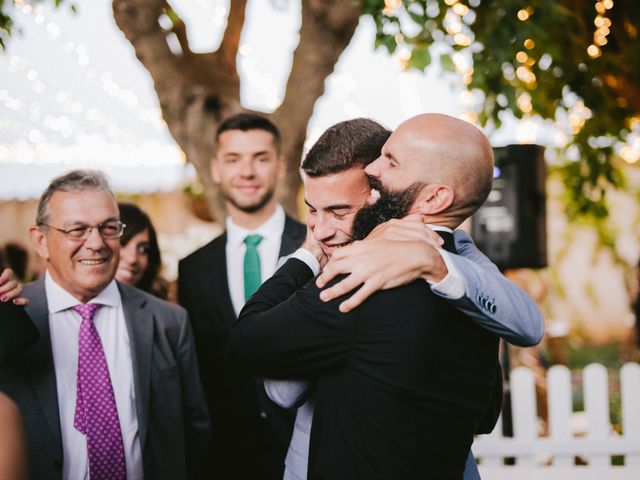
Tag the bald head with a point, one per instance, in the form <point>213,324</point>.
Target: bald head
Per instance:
<point>436,149</point>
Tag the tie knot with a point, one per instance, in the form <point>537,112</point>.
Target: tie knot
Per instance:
<point>253,240</point>
<point>87,310</point>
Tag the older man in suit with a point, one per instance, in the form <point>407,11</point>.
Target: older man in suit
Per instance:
<point>110,391</point>
<point>251,433</point>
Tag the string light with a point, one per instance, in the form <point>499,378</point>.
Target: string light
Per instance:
<point>602,24</point>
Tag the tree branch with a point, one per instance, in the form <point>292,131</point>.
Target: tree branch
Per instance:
<point>327,28</point>
<point>138,20</point>
<point>179,28</point>
<point>231,39</point>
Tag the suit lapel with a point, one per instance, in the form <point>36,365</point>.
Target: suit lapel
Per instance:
<point>292,236</point>
<point>140,325</point>
<point>218,283</point>
<point>449,243</point>
<point>40,363</point>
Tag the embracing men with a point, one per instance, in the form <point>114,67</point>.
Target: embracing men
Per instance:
<point>403,381</point>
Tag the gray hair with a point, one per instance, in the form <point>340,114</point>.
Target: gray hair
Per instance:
<point>73,181</point>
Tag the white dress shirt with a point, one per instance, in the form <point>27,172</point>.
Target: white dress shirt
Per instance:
<point>64,325</point>
<point>268,249</point>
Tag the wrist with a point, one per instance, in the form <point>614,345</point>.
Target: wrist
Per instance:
<point>434,269</point>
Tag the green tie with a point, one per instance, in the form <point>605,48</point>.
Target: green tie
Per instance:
<point>252,277</point>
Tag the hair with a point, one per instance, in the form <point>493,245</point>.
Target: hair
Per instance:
<point>73,181</point>
<point>249,121</point>
<point>137,221</point>
<point>345,145</point>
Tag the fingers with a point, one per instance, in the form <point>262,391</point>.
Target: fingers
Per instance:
<point>342,261</point>
<point>405,230</point>
<point>7,274</point>
<point>10,287</point>
<point>21,301</point>
<point>357,298</point>
<point>328,274</point>
<point>10,293</point>
<point>343,286</point>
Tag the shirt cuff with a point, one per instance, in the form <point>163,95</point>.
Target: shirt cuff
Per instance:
<point>452,285</point>
<point>309,258</point>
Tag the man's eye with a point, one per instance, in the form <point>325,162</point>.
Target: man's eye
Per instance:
<point>109,229</point>
<point>77,232</point>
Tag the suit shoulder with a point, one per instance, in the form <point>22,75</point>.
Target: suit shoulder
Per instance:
<point>293,225</point>
<point>198,256</point>
<point>151,301</point>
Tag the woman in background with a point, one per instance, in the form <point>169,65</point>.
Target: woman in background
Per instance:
<point>140,260</point>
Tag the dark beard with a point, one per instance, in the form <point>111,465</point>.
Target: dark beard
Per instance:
<point>389,205</point>
<point>254,207</point>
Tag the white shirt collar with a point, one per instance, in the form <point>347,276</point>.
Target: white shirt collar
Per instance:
<point>58,299</point>
<point>271,229</point>
<point>439,228</point>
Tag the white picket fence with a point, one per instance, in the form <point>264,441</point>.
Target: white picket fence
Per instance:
<point>552,456</point>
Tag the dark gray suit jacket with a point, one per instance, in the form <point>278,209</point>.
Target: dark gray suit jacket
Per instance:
<point>172,417</point>
<point>251,434</point>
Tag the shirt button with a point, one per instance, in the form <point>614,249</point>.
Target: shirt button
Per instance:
<point>263,414</point>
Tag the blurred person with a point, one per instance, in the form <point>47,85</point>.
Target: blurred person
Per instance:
<point>267,340</point>
<point>13,446</point>
<point>110,390</point>
<point>251,433</point>
<point>140,260</point>
<point>17,257</point>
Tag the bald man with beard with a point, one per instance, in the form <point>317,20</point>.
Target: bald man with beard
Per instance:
<point>404,380</point>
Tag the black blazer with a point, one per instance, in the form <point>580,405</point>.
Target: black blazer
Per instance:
<point>402,382</point>
<point>250,434</point>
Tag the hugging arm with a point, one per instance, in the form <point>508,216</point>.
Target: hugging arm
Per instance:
<point>401,251</point>
<point>286,331</point>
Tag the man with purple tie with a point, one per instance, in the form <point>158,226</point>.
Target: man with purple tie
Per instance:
<point>110,390</point>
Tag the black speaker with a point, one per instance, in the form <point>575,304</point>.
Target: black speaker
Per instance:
<point>510,228</point>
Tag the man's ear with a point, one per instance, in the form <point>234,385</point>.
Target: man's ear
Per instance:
<point>215,173</point>
<point>39,241</point>
<point>435,198</point>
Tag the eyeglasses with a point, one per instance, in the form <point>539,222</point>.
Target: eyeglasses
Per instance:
<point>111,229</point>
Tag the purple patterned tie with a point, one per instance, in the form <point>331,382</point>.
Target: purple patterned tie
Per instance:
<point>96,414</point>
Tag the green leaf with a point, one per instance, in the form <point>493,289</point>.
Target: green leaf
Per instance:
<point>420,58</point>
<point>447,63</point>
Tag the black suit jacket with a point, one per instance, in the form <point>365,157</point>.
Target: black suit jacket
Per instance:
<point>250,434</point>
<point>402,382</point>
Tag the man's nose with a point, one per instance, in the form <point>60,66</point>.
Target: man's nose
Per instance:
<point>94,240</point>
<point>372,169</point>
<point>323,230</point>
<point>247,168</point>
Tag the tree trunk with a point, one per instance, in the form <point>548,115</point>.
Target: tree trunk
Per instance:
<point>197,91</point>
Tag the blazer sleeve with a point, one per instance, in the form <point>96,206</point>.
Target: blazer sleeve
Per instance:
<point>196,417</point>
<point>286,331</point>
<point>491,300</point>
